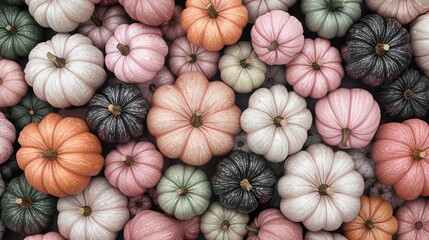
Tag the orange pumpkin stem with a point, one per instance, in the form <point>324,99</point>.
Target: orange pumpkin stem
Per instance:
<point>182,191</point>
<point>57,61</point>
<point>114,109</point>
<point>212,11</point>
<point>85,211</point>
<point>418,225</point>
<point>11,29</point>
<point>225,225</point>
<point>408,94</point>
<point>23,202</point>
<point>280,121</point>
<point>246,62</point>
<point>381,48</point>
<point>191,58</point>
<point>369,224</point>
<point>253,230</point>
<point>97,21</point>
<point>50,154</point>
<point>324,190</point>
<point>345,135</point>
<point>128,160</point>
<point>245,185</point>
<point>124,49</point>
<point>197,119</point>
<point>317,64</point>
<point>418,154</point>
<point>273,46</point>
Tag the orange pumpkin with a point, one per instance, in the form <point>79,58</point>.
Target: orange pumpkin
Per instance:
<point>374,222</point>
<point>212,24</point>
<point>59,155</point>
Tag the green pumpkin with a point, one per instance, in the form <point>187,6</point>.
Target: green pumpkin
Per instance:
<point>16,2</point>
<point>26,210</point>
<point>184,191</point>
<point>19,33</point>
<point>30,109</point>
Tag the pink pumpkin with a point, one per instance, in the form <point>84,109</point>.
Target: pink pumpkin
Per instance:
<point>316,70</point>
<point>7,138</point>
<point>191,227</point>
<point>12,83</point>
<point>402,10</point>
<point>277,37</point>
<point>134,167</point>
<point>47,236</point>
<point>187,57</point>
<point>347,118</point>
<point>108,2</point>
<point>149,12</point>
<point>173,28</point>
<point>135,53</point>
<point>103,22</point>
<point>163,77</point>
<point>413,220</point>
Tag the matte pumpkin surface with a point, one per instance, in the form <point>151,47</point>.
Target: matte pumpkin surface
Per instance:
<point>172,29</point>
<point>7,138</point>
<point>420,41</point>
<point>413,220</point>
<point>149,12</point>
<point>12,83</point>
<point>404,11</point>
<point>323,235</point>
<point>47,236</point>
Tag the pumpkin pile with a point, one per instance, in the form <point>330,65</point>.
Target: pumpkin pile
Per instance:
<point>214,119</point>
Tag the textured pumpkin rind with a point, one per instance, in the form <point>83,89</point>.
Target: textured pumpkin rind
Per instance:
<point>410,214</point>
<point>47,236</point>
<point>419,41</point>
<point>15,2</point>
<point>403,11</point>
<point>12,83</point>
<point>256,8</point>
<point>152,13</point>
<point>7,138</point>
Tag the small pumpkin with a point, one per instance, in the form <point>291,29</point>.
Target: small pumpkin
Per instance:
<point>12,83</point>
<point>152,13</point>
<point>163,77</point>
<point>374,222</point>
<point>24,209</point>
<point>117,113</point>
<point>256,8</point>
<point>387,193</point>
<point>240,142</point>
<point>46,236</point>
<point>139,203</point>
<point>413,220</point>
<point>7,138</point>
<point>323,235</point>
<point>404,11</point>
<point>172,29</point>
<point>10,169</point>
<point>364,164</point>
<point>240,67</point>
<point>419,34</point>
<point>275,75</point>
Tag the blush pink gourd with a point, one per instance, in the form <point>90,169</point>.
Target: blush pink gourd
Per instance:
<point>12,83</point>
<point>149,12</point>
<point>413,220</point>
<point>173,28</point>
<point>7,138</point>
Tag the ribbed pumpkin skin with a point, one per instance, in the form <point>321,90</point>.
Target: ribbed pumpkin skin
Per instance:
<point>256,8</point>
<point>24,34</point>
<point>47,236</point>
<point>12,83</point>
<point>364,55</point>
<point>15,2</point>
<point>7,138</point>
<point>419,33</point>
<point>404,10</point>
<point>413,220</point>
<point>30,219</point>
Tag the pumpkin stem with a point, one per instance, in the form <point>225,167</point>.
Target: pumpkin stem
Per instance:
<point>408,94</point>
<point>381,48</point>
<point>57,61</point>
<point>85,211</point>
<point>324,190</point>
<point>128,160</point>
<point>225,225</point>
<point>191,58</point>
<point>152,87</point>
<point>280,121</point>
<point>240,144</point>
<point>1,81</point>
<point>182,191</point>
<point>114,109</point>
<point>418,225</point>
<point>335,4</point>
<point>253,230</point>
<point>97,21</point>
<point>212,11</point>
<point>369,224</point>
<point>273,46</point>
<point>124,49</point>
<point>245,185</point>
<point>31,112</point>
<point>23,202</point>
<point>11,29</point>
<point>50,154</point>
<point>418,154</point>
<point>345,134</point>
<point>317,64</point>
<point>197,120</point>
<point>246,62</point>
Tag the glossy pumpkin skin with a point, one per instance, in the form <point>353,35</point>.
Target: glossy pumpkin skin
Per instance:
<point>323,235</point>
<point>374,222</point>
<point>256,8</point>
<point>47,236</point>
<point>12,83</point>
<point>413,220</point>
<point>59,155</point>
<point>172,29</point>
<point>26,210</point>
<point>163,77</point>
<point>404,11</point>
<point>377,50</point>
<point>7,138</point>
<point>419,41</point>
<point>152,13</point>
<point>405,97</point>
<point>117,113</point>
<point>19,33</point>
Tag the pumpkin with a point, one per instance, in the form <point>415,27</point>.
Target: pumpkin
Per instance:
<point>186,57</point>
<point>330,18</point>
<point>376,50</point>
<point>65,70</point>
<point>387,193</point>
<point>220,223</point>
<point>275,75</point>
<point>10,169</point>
<point>2,185</point>
<point>2,229</point>
<point>419,34</point>
<point>240,142</point>
<point>374,222</point>
<point>312,136</point>
<point>277,37</point>
<point>15,2</point>
<point>184,191</point>
<point>30,109</point>
<point>413,220</point>
<point>323,235</point>
<point>191,226</point>
<point>59,155</point>
<point>135,53</point>
<point>134,167</point>
<point>241,69</point>
<point>102,24</point>
<point>271,224</point>
<point>108,2</point>
<point>47,236</point>
<point>172,29</point>
<point>19,32</point>
<point>316,70</point>
<point>364,164</point>
<point>276,122</point>
<point>242,181</point>
<point>342,121</point>
<point>400,153</point>
<point>7,138</point>
<point>256,8</point>
<point>100,210</point>
<point>152,13</point>
<point>404,11</point>
<point>163,77</point>
<point>24,209</point>
<point>12,83</point>
<point>214,24</point>
<point>320,188</point>
<point>139,203</point>
<point>205,116</point>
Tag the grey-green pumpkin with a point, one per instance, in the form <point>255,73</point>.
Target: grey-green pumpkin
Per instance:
<point>15,2</point>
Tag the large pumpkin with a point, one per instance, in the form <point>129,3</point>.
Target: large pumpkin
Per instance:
<point>413,220</point>
<point>149,12</point>
<point>59,155</point>
<point>12,83</point>
<point>204,114</point>
<point>419,33</point>
<point>404,11</point>
<point>7,138</point>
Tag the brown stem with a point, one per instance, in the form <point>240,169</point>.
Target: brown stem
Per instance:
<point>225,225</point>
<point>418,225</point>
<point>324,190</point>
<point>114,109</point>
<point>152,87</point>
<point>246,62</point>
<point>273,46</point>
<point>31,112</point>
<point>197,119</point>
<point>345,135</point>
<point>280,121</point>
<point>418,154</point>
<point>381,48</point>
<point>252,229</point>
<point>124,49</point>
<point>182,191</point>
<point>245,185</point>
<point>57,61</point>
<point>212,11</point>
<point>128,160</point>
<point>408,94</point>
<point>50,154</point>
<point>1,81</point>
<point>192,58</point>
<point>369,224</point>
<point>23,202</point>
<point>317,64</point>
<point>11,29</point>
<point>85,211</point>
<point>97,21</point>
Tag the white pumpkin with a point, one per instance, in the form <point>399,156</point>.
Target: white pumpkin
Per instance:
<point>61,16</point>
<point>257,8</point>
<point>323,235</point>
<point>364,164</point>
<point>66,70</point>
<point>100,211</point>
<point>387,193</point>
<point>276,122</point>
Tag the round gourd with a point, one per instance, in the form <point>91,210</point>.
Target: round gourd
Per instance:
<point>10,169</point>
<point>364,164</point>
<point>377,50</point>
<point>342,121</point>
<point>152,13</point>
<point>108,2</point>
<point>172,29</point>
<point>100,210</point>
<point>59,155</point>
<point>117,113</point>
<point>419,34</point>
<point>214,24</point>
<point>320,188</point>
<point>240,67</point>
<point>374,222</point>
<point>12,83</point>
<point>275,75</point>
<point>256,8</point>
<point>277,37</point>
<point>316,70</point>
<point>15,2</point>
<point>24,209</point>
<point>163,77</point>
<point>47,236</point>
<point>323,235</point>
<point>413,220</point>
<point>240,142</point>
<point>386,193</point>
<point>184,191</point>
<point>276,122</point>
<point>7,138</point>
<point>139,203</point>
<point>330,18</point>
<point>404,11</point>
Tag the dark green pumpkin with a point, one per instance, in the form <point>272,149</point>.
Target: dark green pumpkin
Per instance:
<point>16,2</point>
<point>242,181</point>
<point>117,114</point>
<point>405,97</point>
<point>30,109</point>
<point>377,50</point>
<point>19,33</point>
<point>10,168</point>
<point>26,210</point>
